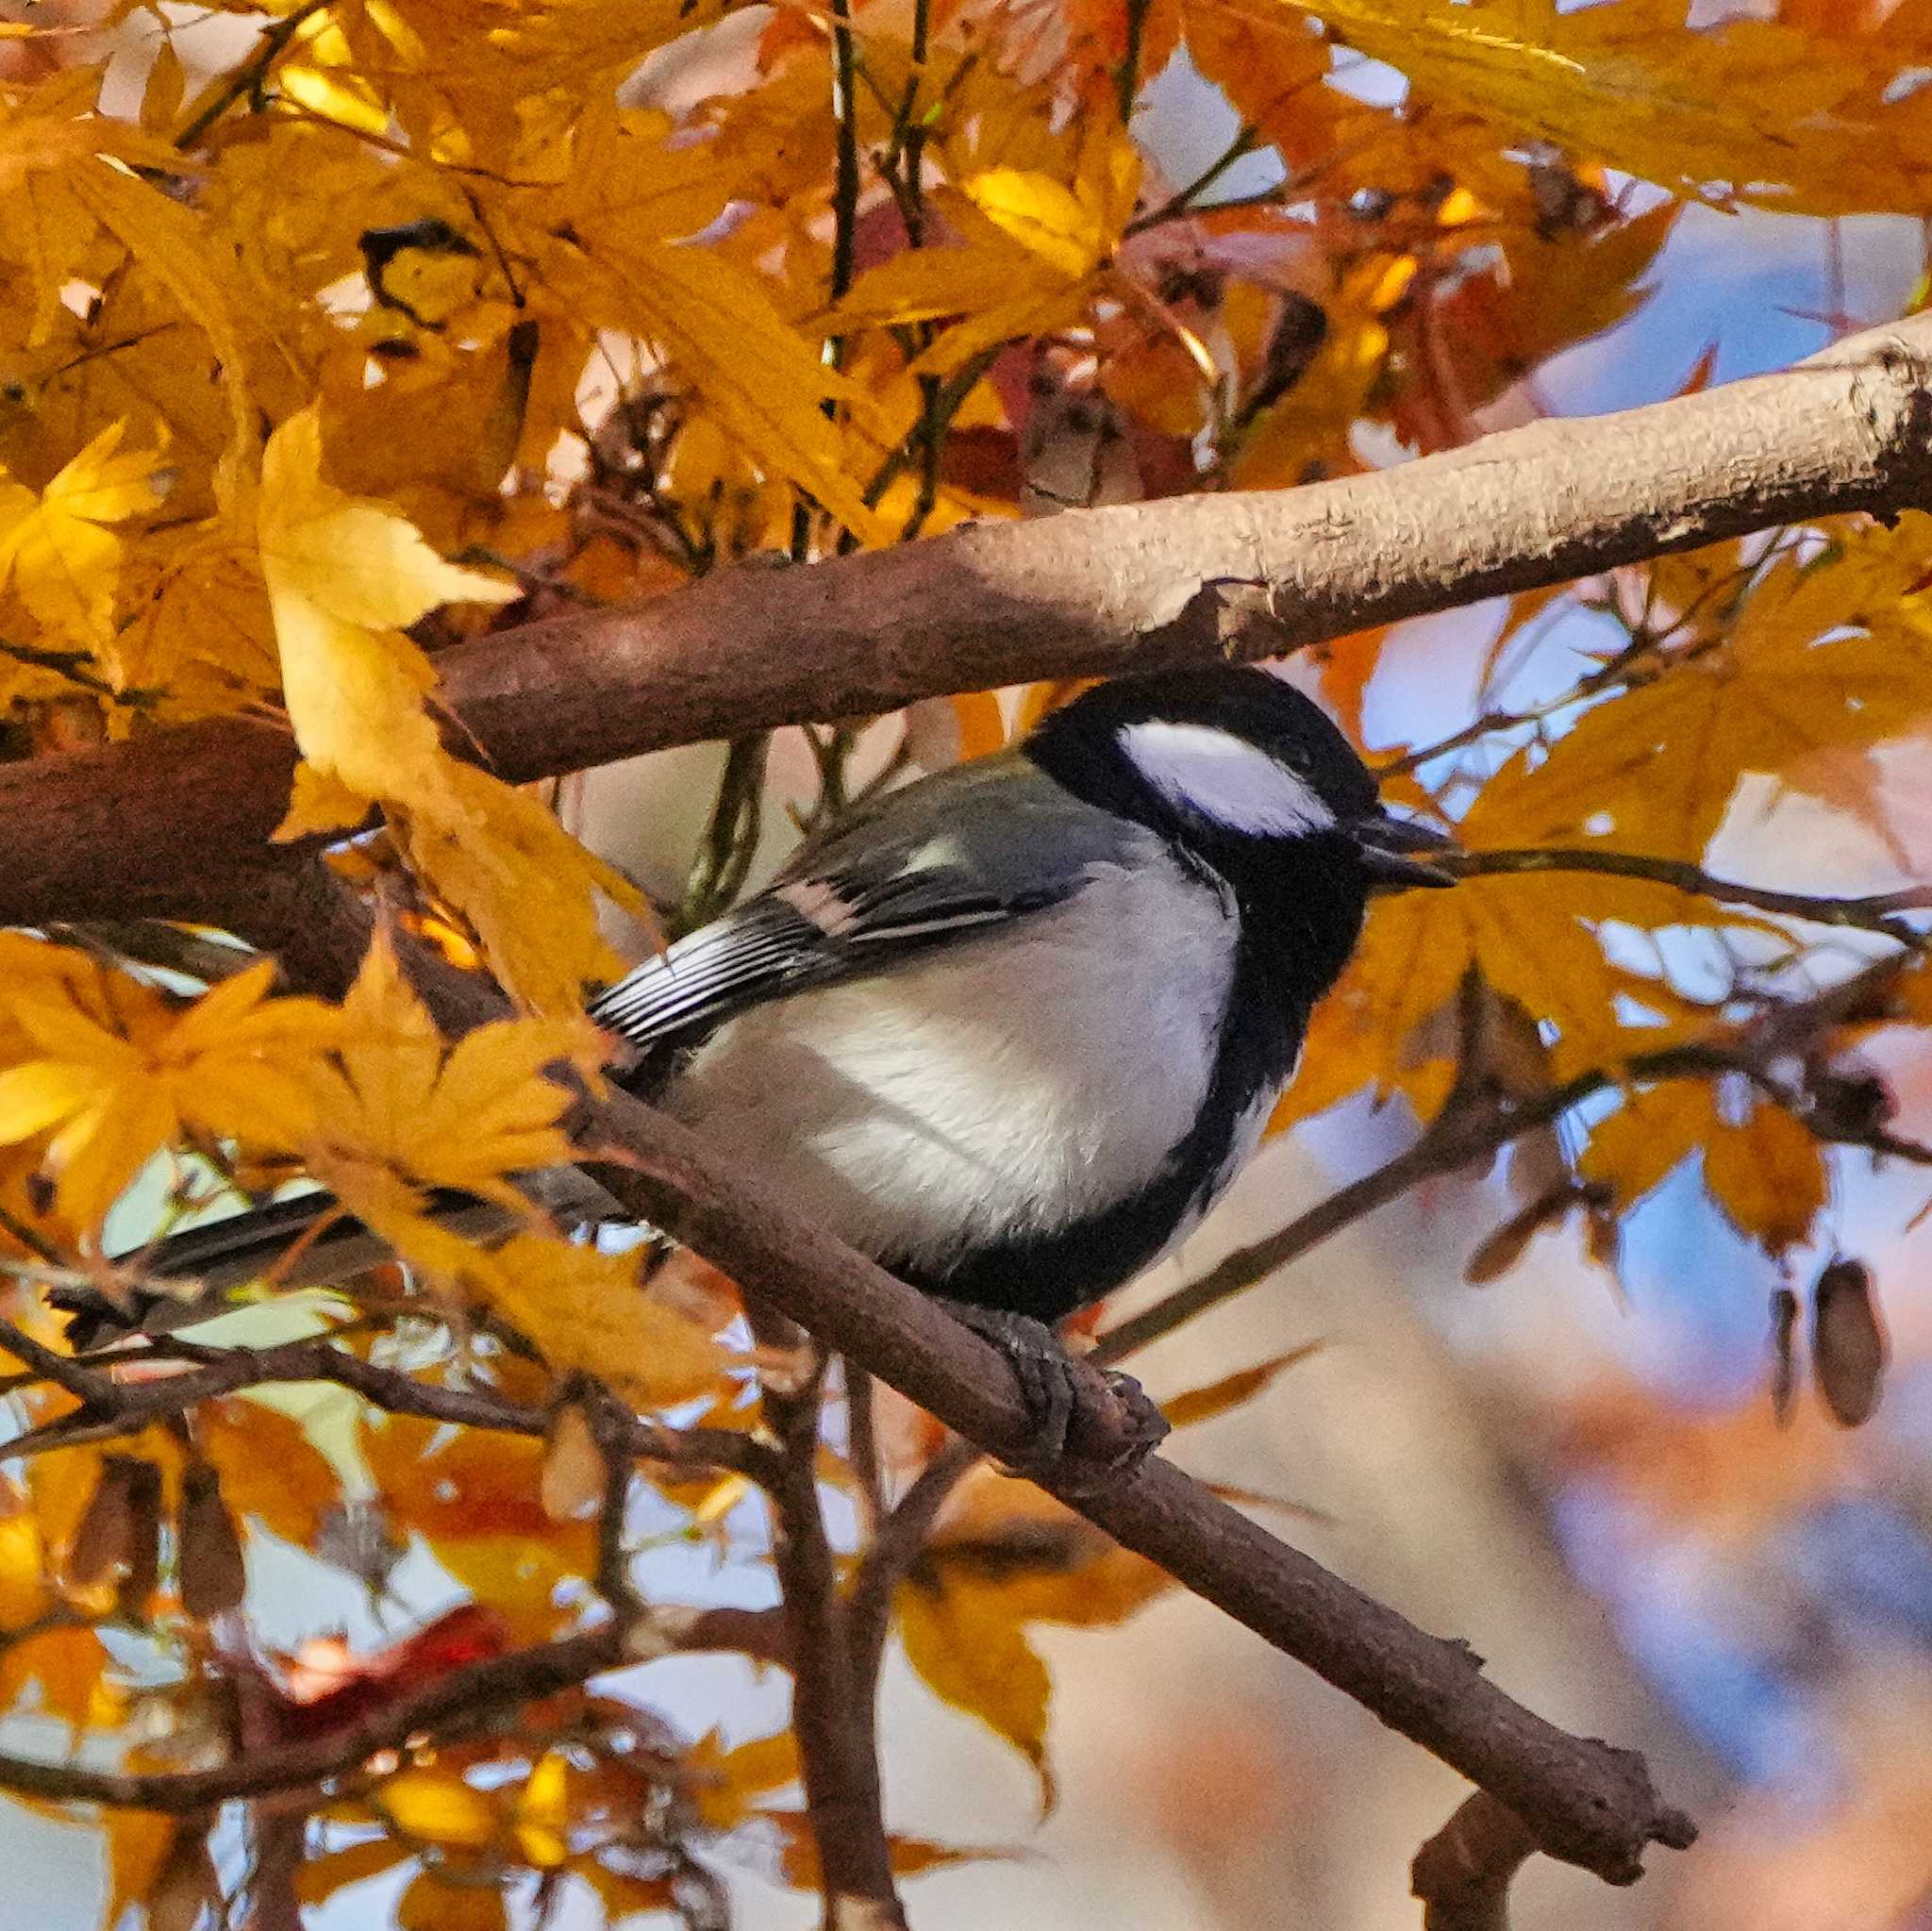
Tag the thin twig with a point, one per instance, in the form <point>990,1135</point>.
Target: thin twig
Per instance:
<point>1873,912</point>
<point>894,1550</point>
<point>112,1407</point>
<point>248,78</point>
<point>1182,201</point>
<point>1459,1137</point>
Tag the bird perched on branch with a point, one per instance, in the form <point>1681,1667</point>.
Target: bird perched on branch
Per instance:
<point>1012,1029</point>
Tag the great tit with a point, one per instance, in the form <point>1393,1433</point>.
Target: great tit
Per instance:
<point>1009,1030</point>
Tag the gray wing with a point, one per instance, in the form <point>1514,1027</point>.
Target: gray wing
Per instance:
<point>965,850</point>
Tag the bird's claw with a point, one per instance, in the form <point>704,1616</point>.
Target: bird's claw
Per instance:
<point>1091,1427</point>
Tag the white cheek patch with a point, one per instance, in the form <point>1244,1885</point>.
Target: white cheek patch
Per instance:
<point>1225,778</point>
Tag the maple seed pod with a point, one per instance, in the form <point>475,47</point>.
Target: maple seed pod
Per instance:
<point>1848,1345</point>
<point>213,1575</point>
<point>1784,1363</point>
<point>103,1544</point>
<point>142,1574</point>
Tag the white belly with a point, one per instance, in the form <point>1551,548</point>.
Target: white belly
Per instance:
<point>989,1090</point>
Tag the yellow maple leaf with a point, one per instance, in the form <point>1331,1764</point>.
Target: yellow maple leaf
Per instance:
<point>476,1499</point>
<point>1748,110</point>
<point>1828,653</point>
<point>199,636</point>
<point>725,1784</point>
<point>588,1311</point>
<point>116,1075</point>
<point>437,1807</point>
<point>24,1579</point>
<point>56,548</point>
<point>344,575</point>
<point>526,885</point>
<point>398,1111</point>
<point>1007,1556</point>
<point>173,243</point>
<point>1764,1170</point>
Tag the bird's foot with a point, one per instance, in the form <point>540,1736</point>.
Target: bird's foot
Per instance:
<point>1090,1427</point>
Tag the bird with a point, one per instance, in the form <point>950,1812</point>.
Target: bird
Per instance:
<point>1013,1028</point>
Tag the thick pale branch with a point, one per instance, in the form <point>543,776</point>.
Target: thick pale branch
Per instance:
<point>154,827</point>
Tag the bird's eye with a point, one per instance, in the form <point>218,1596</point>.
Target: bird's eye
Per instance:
<point>1227,779</point>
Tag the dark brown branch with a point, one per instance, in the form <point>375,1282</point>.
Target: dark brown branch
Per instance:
<point>1462,1873</point>
<point>1877,911</point>
<point>464,1700</point>
<point>87,1385</point>
<point>1587,1802</point>
<point>145,828</point>
<point>831,1714</point>
<point>465,1697</point>
<point>113,1407</point>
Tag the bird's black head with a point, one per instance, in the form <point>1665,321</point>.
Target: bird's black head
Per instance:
<point>1228,756</point>
<point>1249,777</point>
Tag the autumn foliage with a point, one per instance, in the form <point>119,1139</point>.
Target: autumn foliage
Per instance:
<point>334,333</point>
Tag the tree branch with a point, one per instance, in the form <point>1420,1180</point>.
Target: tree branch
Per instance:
<point>112,1407</point>
<point>1587,1802</point>
<point>1462,1873</point>
<point>464,1697</point>
<point>1460,1136</point>
<point>831,1712</point>
<point>1877,911</point>
<point>145,828</point>
<point>459,1702</point>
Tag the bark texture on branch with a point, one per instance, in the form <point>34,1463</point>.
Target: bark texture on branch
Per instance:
<point>149,828</point>
<point>1582,1800</point>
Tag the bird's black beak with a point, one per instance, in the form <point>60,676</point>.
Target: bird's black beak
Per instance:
<point>1394,852</point>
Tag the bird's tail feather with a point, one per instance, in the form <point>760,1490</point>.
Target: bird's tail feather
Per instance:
<point>305,1242</point>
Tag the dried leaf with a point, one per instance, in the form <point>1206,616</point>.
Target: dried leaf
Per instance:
<point>1784,1363</point>
<point>1201,1404</point>
<point>1502,1248</point>
<point>575,1475</point>
<point>102,1546</point>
